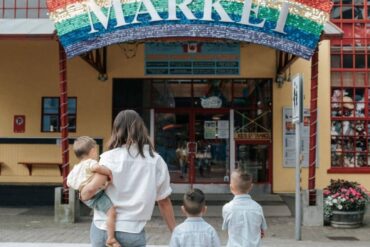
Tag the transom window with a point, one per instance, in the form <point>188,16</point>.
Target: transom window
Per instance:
<point>51,114</point>
<point>11,9</point>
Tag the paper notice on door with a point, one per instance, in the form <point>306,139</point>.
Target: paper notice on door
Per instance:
<point>210,129</point>
<point>223,129</point>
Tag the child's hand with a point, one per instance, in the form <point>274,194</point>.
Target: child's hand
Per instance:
<point>110,176</point>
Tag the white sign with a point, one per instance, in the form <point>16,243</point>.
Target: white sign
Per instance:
<point>210,129</point>
<point>289,138</point>
<point>297,98</point>
<point>223,129</point>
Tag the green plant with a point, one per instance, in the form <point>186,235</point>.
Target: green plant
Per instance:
<point>344,195</point>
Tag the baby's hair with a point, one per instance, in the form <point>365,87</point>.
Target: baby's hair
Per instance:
<point>194,201</point>
<point>83,145</point>
<point>242,180</point>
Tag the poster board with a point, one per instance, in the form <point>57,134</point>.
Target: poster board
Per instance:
<point>289,138</point>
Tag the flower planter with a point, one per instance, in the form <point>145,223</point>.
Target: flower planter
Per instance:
<point>351,219</point>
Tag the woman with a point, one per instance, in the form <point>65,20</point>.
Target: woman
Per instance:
<point>140,178</point>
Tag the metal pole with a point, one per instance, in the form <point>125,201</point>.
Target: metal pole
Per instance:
<point>298,217</point>
<point>313,127</point>
<point>64,119</point>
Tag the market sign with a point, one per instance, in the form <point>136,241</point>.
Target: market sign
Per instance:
<point>292,26</point>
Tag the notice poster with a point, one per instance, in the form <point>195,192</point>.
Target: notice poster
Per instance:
<point>223,129</point>
<point>289,138</point>
<point>210,129</point>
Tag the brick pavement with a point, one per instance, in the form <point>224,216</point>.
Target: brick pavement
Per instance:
<point>36,225</point>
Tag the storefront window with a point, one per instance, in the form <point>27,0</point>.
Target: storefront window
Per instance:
<point>132,94</point>
<point>51,114</point>
<point>215,93</point>
<point>171,93</point>
<point>23,9</point>
<point>350,87</point>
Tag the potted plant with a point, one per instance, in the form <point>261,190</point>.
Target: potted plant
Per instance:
<point>345,203</point>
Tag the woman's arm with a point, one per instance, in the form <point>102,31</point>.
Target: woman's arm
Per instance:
<point>165,207</point>
<point>102,170</point>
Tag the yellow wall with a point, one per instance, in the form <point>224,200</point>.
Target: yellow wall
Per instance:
<point>284,178</point>
<point>29,71</point>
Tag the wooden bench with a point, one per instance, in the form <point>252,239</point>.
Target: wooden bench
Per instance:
<point>1,165</point>
<point>29,165</point>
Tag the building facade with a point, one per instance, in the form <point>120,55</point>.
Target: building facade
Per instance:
<point>222,102</point>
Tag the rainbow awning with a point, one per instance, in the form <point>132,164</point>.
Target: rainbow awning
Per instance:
<point>292,26</point>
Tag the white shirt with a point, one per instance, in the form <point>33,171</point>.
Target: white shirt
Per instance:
<point>244,220</point>
<point>81,174</point>
<point>137,184</point>
<point>194,232</point>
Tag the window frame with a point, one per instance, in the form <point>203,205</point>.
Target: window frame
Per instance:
<point>69,114</point>
<point>355,43</point>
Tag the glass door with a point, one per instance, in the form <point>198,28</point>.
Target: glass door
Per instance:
<point>195,145</point>
<point>255,158</point>
<point>211,163</point>
<point>171,139</point>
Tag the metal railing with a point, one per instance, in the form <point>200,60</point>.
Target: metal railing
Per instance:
<point>21,9</point>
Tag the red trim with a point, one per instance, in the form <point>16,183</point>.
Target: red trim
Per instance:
<point>324,5</point>
<point>313,127</point>
<point>342,170</point>
<point>64,118</point>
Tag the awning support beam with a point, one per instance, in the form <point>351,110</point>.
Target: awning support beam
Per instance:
<point>97,59</point>
<point>285,60</point>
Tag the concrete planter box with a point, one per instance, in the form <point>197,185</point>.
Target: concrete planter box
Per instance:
<point>351,219</point>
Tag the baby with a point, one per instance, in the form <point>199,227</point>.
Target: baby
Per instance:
<point>83,174</point>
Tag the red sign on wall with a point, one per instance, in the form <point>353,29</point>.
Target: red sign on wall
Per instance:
<point>19,124</point>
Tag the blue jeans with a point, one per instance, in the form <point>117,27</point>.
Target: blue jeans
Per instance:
<point>99,237</point>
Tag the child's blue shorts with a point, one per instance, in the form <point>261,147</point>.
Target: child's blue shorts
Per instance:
<point>100,202</point>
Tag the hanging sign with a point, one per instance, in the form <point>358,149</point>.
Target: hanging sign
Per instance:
<point>292,26</point>
<point>297,98</point>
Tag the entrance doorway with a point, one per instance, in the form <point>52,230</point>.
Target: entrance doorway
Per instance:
<point>195,145</point>
<point>205,128</point>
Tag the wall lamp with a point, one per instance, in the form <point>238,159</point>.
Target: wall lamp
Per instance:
<point>280,79</point>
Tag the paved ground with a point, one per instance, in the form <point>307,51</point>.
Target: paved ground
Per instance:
<point>36,225</point>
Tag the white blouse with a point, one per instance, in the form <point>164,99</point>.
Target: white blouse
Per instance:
<point>137,184</point>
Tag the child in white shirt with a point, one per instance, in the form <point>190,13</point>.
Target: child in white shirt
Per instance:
<point>194,231</point>
<point>86,172</point>
<point>243,217</point>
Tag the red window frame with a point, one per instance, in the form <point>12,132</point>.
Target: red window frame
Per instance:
<point>350,89</point>
<point>34,9</point>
